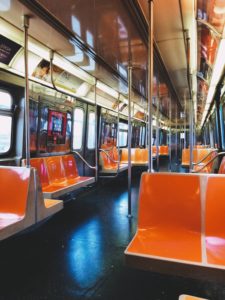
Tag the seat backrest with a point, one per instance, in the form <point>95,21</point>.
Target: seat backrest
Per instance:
<point>215,208</point>
<point>141,155</point>
<point>138,155</point>
<point>56,171</point>
<point>39,164</point>
<point>222,166</point>
<point>70,166</point>
<point>14,189</point>
<point>124,155</point>
<point>170,200</point>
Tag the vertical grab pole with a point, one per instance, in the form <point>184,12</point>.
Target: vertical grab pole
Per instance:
<point>129,139</point>
<point>176,138</point>
<point>26,106</point>
<point>150,83</point>
<point>157,134</point>
<point>191,133</point>
<point>185,120</point>
<point>96,133</point>
<point>170,136</point>
<point>118,134</point>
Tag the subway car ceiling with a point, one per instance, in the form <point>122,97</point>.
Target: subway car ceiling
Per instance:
<point>188,60</point>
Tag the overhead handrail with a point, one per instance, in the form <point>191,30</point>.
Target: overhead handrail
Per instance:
<point>211,160</point>
<point>84,160</point>
<point>197,163</point>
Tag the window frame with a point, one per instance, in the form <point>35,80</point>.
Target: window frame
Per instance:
<point>83,126</point>
<point>8,113</point>
<point>88,129</point>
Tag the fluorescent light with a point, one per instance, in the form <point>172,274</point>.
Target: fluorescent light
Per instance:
<point>108,90</point>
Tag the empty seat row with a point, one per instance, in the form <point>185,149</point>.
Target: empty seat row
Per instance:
<point>181,227</point>
<point>163,150</point>
<point>22,203</point>
<point>204,155</point>
<point>109,161</point>
<point>59,175</point>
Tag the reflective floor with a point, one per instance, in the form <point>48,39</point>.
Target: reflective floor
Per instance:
<point>78,254</point>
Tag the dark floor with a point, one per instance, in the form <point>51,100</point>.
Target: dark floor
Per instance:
<point>78,254</point>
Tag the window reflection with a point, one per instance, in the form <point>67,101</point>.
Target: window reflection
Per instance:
<point>85,255</point>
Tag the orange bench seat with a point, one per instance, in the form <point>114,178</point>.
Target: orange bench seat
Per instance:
<point>21,200</point>
<point>59,175</point>
<point>109,162</point>
<point>181,227</point>
<point>16,200</point>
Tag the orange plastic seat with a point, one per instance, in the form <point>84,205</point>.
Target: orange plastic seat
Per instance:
<point>39,165</point>
<point>188,297</point>
<point>13,199</point>
<point>208,166</point>
<point>181,227</point>
<point>70,166</point>
<point>109,163</point>
<point>165,228</point>
<point>215,221</point>
<point>59,175</point>
<point>186,157</point>
<point>124,156</point>
<point>141,157</point>
<point>56,171</point>
<point>16,209</point>
<point>163,150</point>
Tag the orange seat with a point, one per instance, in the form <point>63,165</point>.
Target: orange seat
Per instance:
<point>16,211</point>
<point>109,162</point>
<point>186,157</point>
<point>209,166</point>
<point>56,171</point>
<point>124,155</point>
<point>188,297</point>
<point>222,166</point>
<point>40,166</point>
<point>163,150</point>
<point>181,227</point>
<point>70,166</point>
<point>215,221</point>
<point>141,157</point>
<point>165,228</point>
<point>59,175</point>
<point>13,199</point>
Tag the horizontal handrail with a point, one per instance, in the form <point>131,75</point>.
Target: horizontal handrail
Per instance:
<point>87,164</point>
<point>211,160</point>
<point>104,151</point>
<point>197,163</point>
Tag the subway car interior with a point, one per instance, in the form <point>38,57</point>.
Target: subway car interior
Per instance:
<point>112,149</point>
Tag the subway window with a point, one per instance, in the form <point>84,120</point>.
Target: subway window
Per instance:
<point>5,100</point>
<point>123,134</point>
<point>5,121</point>
<point>78,128</point>
<point>91,131</point>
